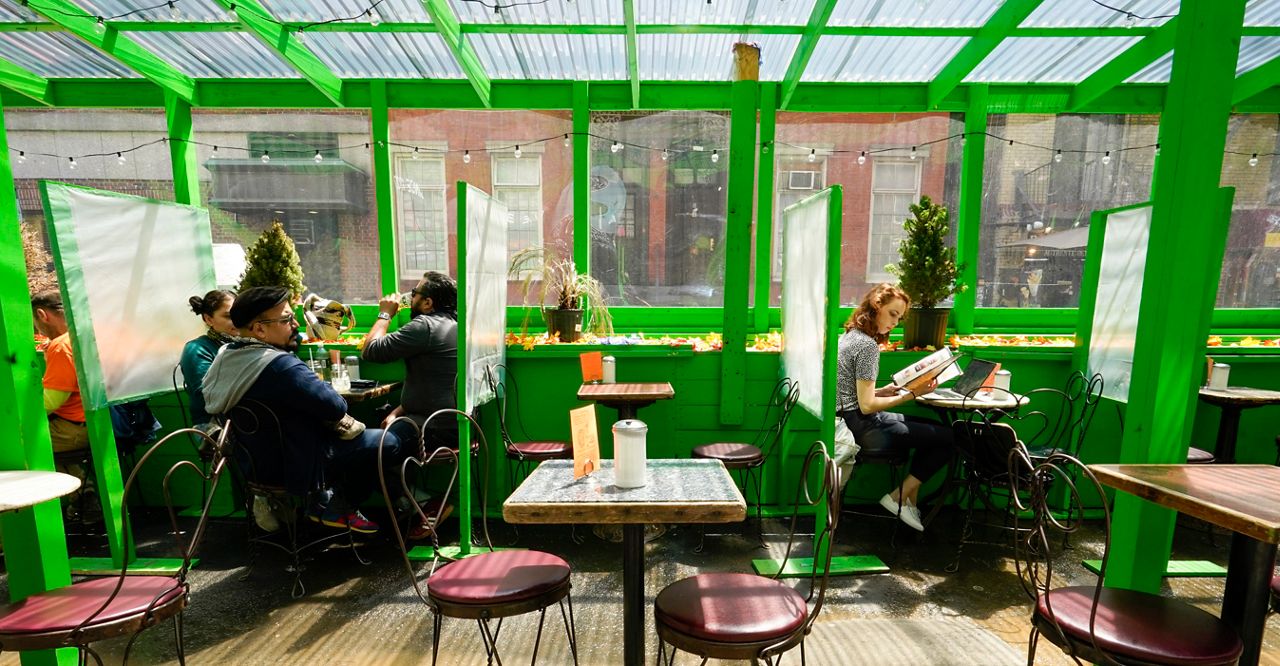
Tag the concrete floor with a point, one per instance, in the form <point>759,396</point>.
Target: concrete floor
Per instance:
<point>369,614</point>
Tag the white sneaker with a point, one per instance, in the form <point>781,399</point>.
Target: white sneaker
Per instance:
<point>907,512</point>
<point>263,516</point>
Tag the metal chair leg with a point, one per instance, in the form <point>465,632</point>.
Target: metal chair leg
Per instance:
<point>178,638</point>
<point>570,629</point>
<point>435,637</point>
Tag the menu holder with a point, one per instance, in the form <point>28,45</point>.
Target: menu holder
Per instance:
<point>592,367</point>
<point>586,440</point>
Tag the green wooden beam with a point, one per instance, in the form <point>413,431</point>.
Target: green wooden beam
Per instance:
<point>388,256</point>
<point>182,152</point>
<point>633,51</point>
<point>1131,61</point>
<point>442,15</point>
<point>23,81</point>
<point>765,214</point>
<point>1001,23</point>
<point>581,176</point>
<point>1256,80</point>
<point>737,249</point>
<point>288,46</point>
<point>804,50</point>
<point>968,219</point>
<point>84,25</point>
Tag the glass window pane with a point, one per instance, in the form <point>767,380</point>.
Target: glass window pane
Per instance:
<point>1036,207</point>
<point>1251,266</point>
<point>658,206</point>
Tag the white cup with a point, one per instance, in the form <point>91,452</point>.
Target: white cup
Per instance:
<point>1220,376</point>
<point>1003,379</point>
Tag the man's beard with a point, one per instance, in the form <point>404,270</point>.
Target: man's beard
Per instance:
<point>293,343</point>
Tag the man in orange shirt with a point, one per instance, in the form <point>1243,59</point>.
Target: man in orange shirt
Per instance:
<point>61,391</point>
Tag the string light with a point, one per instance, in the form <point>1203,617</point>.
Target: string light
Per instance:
<point>266,157</point>
<point>518,152</point>
<point>22,157</point>
<point>1157,149</point>
<point>415,153</point>
<point>374,18</point>
<point>73,162</point>
<point>665,155</point>
<point>120,158</point>
<point>862,158</point>
<point>1057,156</point>
<point>813,155</point>
<point>617,145</point>
<point>567,142</point>
<point>715,156</point>
<point>174,12</point>
<point>100,26</point>
<point>1106,158</point>
<point>466,157</point>
<point>913,152</point>
<point>1253,161</point>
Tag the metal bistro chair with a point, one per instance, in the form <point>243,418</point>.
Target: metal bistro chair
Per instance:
<point>748,459</point>
<point>257,444</point>
<point>526,453</point>
<point>1092,623</point>
<point>486,586</point>
<point>99,608</point>
<point>745,616</point>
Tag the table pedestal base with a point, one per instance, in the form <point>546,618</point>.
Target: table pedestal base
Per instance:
<point>633,623</point>
<point>1248,592</point>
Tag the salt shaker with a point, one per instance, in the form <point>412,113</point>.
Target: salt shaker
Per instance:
<point>353,367</point>
<point>629,470</point>
<point>609,370</point>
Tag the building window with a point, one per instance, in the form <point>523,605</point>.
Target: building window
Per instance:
<point>895,185</point>
<point>421,218</point>
<point>517,182</point>
<point>796,179</point>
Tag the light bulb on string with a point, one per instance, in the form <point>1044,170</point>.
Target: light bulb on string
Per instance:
<point>715,156</point>
<point>174,12</point>
<point>1253,161</point>
<point>913,152</point>
<point>1106,157</point>
<point>415,153</point>
<point>518,152</point>
<point>615,147</point>
<point>466,157</point>
<point>1130,20</point>
<point>100,26</point>
<point>318,158</point>
<point>567,142</point>
<point>22,157</point>
<point>215,151</point>
<point>1157,149</point>
<point>72,162</point>
<point>862,158</point>
<point>120,159</point>
<point>1010,143</point>
<point>813,155</point>
<point>665,155</point>
<point>963,136</point>
<point>374,18</point>
<point>1057,157</point>
<point>266,157</point>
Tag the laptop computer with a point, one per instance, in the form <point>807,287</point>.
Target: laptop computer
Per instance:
<point>974,374</point>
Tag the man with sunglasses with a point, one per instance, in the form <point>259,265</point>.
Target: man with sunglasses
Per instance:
<point>259,366</point>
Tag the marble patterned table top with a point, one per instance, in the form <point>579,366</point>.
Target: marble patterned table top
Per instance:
<point>678,491</point>
<point>23,488</point>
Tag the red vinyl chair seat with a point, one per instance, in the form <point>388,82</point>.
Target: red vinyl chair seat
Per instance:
<point>498,577</point>
<point>540,450</point>
<point>732,454</point>
<point>731,608</point>
<point>1275,588</point>
<point>1199,456</point>
<point>1141,627</point>
<point>65,608</point>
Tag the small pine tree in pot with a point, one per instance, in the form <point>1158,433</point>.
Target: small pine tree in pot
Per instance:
<point>273,261</point>
<point>927,272</point>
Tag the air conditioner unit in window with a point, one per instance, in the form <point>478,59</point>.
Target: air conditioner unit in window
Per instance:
<point>802,180</point>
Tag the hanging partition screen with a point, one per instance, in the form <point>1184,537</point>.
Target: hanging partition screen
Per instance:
<point>1115,314</point>
<point>483,289</point>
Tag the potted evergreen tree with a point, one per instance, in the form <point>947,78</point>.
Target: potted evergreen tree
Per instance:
<point>273,261</point>
<point>927,272</point>
<point>579,299</point>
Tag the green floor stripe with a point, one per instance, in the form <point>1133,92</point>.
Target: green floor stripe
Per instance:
<point>840,566</point>
<point>424,553</point>
<point>103,566</point>
<point>1176,568</point>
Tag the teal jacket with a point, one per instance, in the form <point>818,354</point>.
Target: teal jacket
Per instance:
<point>197,356</point>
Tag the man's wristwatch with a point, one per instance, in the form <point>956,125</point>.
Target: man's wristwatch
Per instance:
<point>385,316</point>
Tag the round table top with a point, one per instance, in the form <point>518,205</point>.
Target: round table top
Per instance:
<point>1006,401</point>
<point>23,488</point>
<point>1241,396</point>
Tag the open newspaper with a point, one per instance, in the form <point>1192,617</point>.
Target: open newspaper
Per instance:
<point>940,364</point>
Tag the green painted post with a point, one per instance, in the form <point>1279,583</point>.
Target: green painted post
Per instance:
<point>464,426</point>
<point>382,189</point>
<point>581,178</point>
<point>35,551</point>
<point>186,168</point>
<point>764,206</point>
<point>969,219</point>
<point>1169,349</point>
<point>737,250</point>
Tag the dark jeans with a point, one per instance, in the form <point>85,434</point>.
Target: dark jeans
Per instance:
<point>890,431</point>
<point>352,466</point>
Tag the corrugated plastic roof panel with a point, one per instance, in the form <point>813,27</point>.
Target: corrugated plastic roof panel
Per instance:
<point>840,58</point>
<point>215,55</point>
<point>591,57</point>
<point>146,10</point>
<point>1079,14</point>
<point>59,55</point>
<point>12,12</point>
<point>390,55</point>
<point>556,12</point>
<point>1262,12</point>
<point>406,11</point>
<point>934,14</point>
<point>724,12</point>
<point>710,57</point>
<point>1254,52</point>
<point>1048,59</point>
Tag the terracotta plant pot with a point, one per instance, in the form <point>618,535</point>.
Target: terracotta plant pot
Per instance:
<point>564,324</point>
<point>925,327</point>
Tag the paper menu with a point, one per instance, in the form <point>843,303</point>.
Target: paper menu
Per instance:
<point>586,440</point>
<point>927,365</point>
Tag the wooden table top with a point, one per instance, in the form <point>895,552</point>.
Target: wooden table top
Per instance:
<point>626,392</point>
<point>360,395</point>
<point>679,491</point>
<point>1241,396</point>
<point>1241,498</point>
<point>22,488</point>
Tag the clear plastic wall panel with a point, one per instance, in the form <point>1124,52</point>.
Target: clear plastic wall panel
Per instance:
<point>1036,202</point>
<point>578,12</point>
<point>870,155</point>
<point>479,147</point>
<point>839,58</point>
<point>724,12</point>
<point>326,207</point>
<point>709,57</point>
<point>936,13</point>
<point>397,11</point>
<point>1251,265</point>
<point>1073,13</point>
<point>215,54</point>
<point>590,57</point>
<point>658,206</point>
<point>42,143</point>
<point>13,12</point>
<point>1262,12</point>
<point>150,10</point>
<point>59,55</point>
<point>1048,59</point>
<point>385,55</point>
